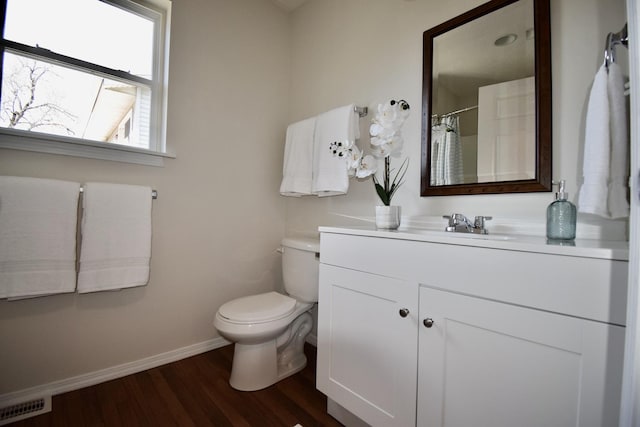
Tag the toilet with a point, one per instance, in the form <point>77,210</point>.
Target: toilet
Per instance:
<point>269,329</point>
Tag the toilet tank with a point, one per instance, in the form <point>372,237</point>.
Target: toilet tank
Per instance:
<point>300,263</point>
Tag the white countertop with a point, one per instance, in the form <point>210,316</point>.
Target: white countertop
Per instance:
<point>585,248</point>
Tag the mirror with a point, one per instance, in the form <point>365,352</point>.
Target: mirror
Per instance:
<point>486,101</point>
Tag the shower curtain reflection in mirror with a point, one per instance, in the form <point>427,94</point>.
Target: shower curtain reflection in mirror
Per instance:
<point>446,151</point>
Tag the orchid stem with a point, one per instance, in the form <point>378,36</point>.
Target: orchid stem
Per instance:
<point>387,166</point>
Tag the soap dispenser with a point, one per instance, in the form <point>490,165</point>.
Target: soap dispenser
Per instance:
<point>561,217</point>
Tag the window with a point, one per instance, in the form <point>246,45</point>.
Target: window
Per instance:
<point>88,73</point>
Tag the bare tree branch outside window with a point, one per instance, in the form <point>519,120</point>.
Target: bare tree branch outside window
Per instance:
<point>29,100</point>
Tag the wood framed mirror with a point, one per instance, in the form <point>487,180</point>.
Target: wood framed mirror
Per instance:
<point>486,101</point>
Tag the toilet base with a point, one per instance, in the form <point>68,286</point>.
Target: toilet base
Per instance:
<point>257,366</point>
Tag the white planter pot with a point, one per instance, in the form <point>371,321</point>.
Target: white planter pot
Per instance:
<point>387,217</point>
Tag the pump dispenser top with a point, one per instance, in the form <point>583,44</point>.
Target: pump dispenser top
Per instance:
<point>561,216</point>
<point>561,194</point>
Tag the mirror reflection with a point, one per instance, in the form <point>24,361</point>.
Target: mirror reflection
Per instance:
<point>482,101</point>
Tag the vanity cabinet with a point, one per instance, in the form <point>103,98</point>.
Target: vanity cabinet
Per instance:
<point>369,350</point>
<point>417,331</point>
<point>485,363</point>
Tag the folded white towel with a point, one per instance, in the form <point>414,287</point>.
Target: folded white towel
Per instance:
<point>38,220</point>
<point>330,173</point>
<point>618,206</point>
<point>116,237</point>
<point>297,170</point>
<point>593,193</point>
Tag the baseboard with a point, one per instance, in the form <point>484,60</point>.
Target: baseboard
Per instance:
<point>119,371</point>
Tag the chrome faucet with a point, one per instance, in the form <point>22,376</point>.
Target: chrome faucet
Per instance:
<point>459,223</point>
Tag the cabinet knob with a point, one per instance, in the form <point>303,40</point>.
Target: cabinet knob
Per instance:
<point>404,312</point>
<point>428,322</point>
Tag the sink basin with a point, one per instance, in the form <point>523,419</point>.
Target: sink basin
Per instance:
<point>437,233</point>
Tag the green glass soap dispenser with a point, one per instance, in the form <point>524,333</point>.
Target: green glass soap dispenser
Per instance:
<point>561,217</point>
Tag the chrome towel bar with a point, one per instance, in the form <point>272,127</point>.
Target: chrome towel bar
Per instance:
<point>154,193</point>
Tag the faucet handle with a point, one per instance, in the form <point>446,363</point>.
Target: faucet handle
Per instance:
<point>455,218</point>
<point>453,221</point>
<point>480,220</point>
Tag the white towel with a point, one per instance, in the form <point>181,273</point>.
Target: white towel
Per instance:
<point>297,170</point>
<point>116,237</point>
<point>617,203</point>
<point>38,220</point>
<point>330,173</point>
<point>597,146</point>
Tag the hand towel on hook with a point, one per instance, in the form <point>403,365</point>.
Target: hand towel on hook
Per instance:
<point>617,203</point>
<point>116,237</point>
<point>606,151</point>
<point>597,149</point>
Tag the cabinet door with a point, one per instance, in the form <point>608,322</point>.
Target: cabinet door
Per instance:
<point>367,347</point>
<point>484,363</point>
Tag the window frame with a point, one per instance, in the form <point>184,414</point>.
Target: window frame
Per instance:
<point>159,11</point>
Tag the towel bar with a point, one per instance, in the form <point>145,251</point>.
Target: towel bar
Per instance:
<point>362,111</point>
<point>154,193</point>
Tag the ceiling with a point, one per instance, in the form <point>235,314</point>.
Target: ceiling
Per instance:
<point>288,5</point>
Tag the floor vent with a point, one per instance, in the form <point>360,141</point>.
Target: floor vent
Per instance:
<point>22,410</point>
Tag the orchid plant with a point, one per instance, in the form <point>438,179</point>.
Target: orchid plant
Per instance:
<point>386,140</point>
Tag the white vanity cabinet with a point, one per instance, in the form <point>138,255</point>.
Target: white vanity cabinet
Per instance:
<point>369,352</point>
<point>436,331</point>
<point>486,363</point>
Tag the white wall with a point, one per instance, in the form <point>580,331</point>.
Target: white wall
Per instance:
<point>218,219</point>
<point>369,51</point>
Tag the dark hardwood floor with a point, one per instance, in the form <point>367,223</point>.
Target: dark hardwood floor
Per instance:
<point>191,392</point>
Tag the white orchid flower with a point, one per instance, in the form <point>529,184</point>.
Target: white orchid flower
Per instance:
<point>368,166</point>
<point>381,151</point>
<point>387,114</point>
<point>392,114</point>
<point>376,142</point>
<point>353,158</point>
<point>376,129</point>
<point>395,144</point>
<point>383,137</point>
<point>385,148</point>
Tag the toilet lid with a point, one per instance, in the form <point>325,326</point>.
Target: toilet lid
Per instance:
<point>258,308</point>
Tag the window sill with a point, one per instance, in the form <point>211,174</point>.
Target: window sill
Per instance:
<point>30,141</point>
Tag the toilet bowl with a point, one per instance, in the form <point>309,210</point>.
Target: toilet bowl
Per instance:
<point>269,329</point>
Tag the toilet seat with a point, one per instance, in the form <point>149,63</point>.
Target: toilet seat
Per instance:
<point>259,308</point>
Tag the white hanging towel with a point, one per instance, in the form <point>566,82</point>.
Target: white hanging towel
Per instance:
<point>297,170</point>
<point>617,202</point>
<point>116,237</point>
<point>330,173</point>
<point>38,220</point>
<point>597,148</point>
